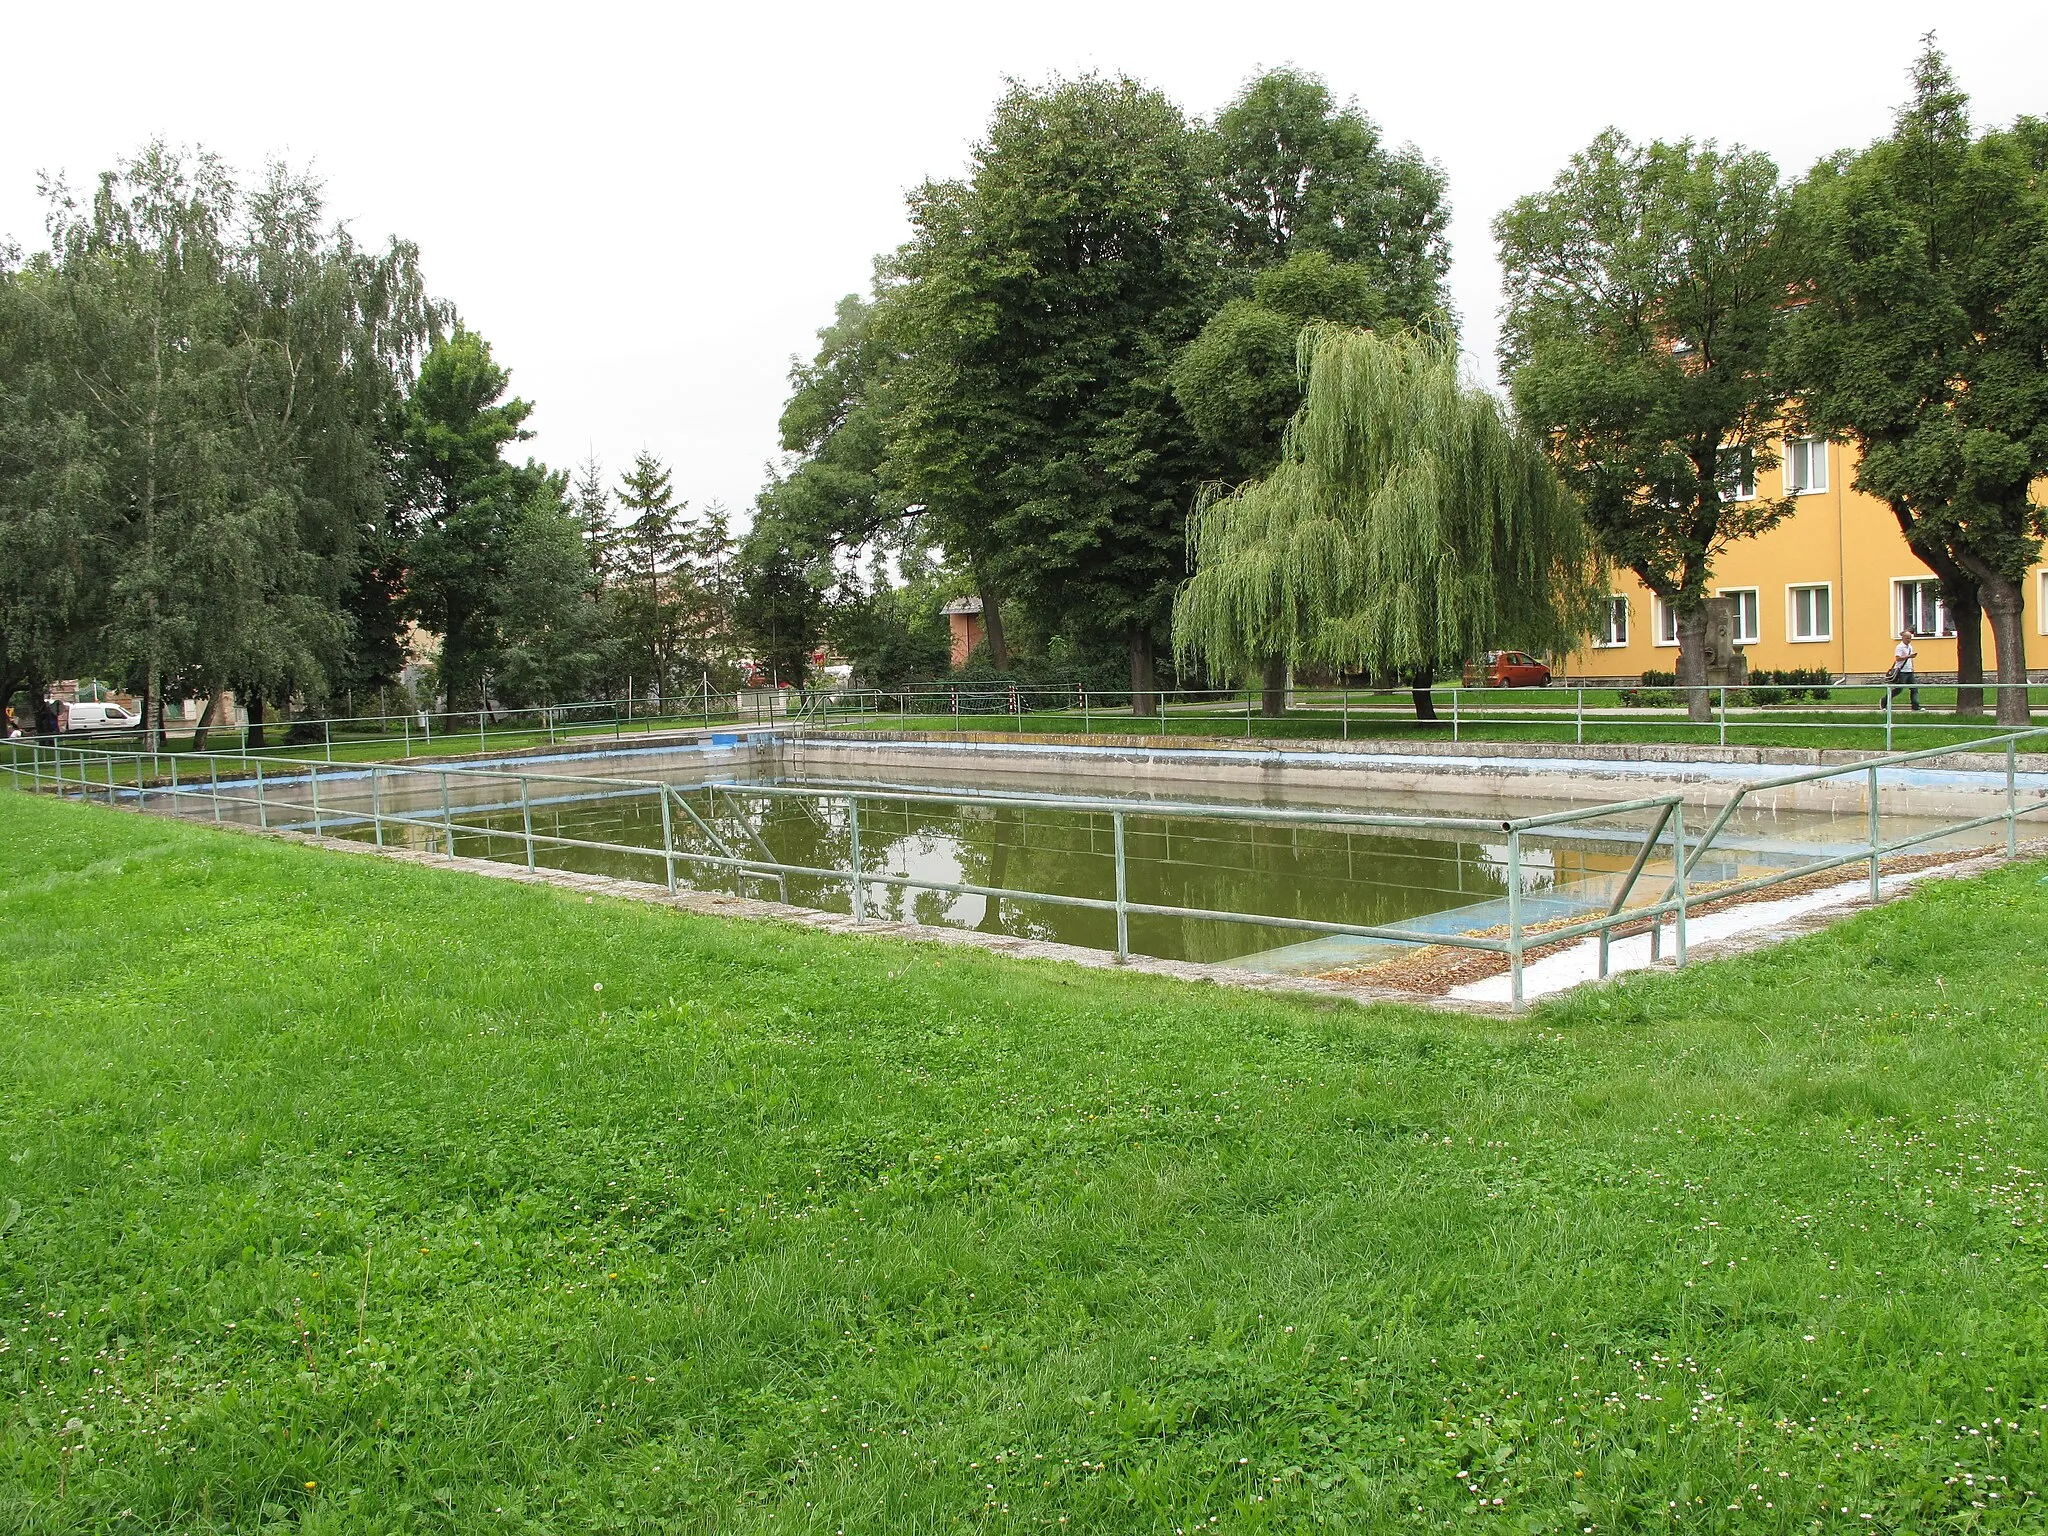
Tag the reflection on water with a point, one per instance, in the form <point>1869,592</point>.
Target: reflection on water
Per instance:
<point>1324,874</point>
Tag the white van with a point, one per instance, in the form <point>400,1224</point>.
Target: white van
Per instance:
<point>99,717</point>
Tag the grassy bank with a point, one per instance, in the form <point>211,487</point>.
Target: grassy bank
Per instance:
<point>350,1196</point>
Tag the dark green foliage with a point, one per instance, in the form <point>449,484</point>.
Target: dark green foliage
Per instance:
<point>1298,173</point>
<point>1238,382</point>
<point>1924,343</point>
<point>1789,685</point>
<point>1643,291</point>
<point>1044,298</point>
<point>462,499</point>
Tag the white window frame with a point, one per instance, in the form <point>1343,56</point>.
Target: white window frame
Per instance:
<point>1735,485</point>
<point>1616,602</point>
<point>1821,445</point>
<point>1792,591</point>
<point>1945,624</point>
<point>1665,616</point>
<point>2041,608</point>
<point>1756,612</point>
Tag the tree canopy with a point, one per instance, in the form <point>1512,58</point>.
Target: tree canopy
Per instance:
<point>1408,523</point>
<point>1644,290</point>
<point>1921,337</point>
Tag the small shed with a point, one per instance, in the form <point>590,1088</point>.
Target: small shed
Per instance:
<point>964,620</point>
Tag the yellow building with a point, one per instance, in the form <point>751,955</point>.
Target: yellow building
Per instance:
<point>1830,587</point>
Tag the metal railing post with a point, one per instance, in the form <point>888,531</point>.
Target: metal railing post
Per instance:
<point>1888,719</point>
<point>174,784</point>
<point>313,777</point>
<point>214,764</point>
<point>1581,738</point>
<point>1724,714</point>
<point>327,732</point>
<point>525,816</point>
<point>406,722</point>
<point>1683,882</point>
<point>860,889</point>
<point>1123,914</point>
<point>1455,724</point>
<point>447,820</point>
<point>376,807</point>
<point>668,838</point>
<point>1874,855</point>
<point>2012,802</point>
<point>1515,918</point>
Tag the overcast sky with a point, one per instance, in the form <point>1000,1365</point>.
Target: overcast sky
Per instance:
<point>649,209</point>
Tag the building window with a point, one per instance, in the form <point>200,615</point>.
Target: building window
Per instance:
<point>1812,613</point>
<point>1748,627</point>
<point>1806,466</point>
<point>2042,607</point>
<point>1922,611</point>
<point>1738,474</point>
<point>1667,623</point>
<point>1616,632</point>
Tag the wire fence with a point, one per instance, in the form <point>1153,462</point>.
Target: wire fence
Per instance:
<point>1897,712</point>
<point>1645,859</point>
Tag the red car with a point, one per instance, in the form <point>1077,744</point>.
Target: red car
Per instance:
<point>1507,669</point>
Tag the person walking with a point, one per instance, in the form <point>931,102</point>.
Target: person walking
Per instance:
<point>1902,668</point>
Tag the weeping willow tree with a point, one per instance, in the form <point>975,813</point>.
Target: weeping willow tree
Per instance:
<point>1409,524</point>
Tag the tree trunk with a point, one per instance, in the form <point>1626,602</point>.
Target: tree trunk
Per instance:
<point>1692,665</point>
<point>1960,595</point>
<point>1425,696</point>
<point>1273,689</point>
<point>992,628</point>
<point>152,707</point>
<point>255,718</point>
<point>210,718</point>
<point>1966,609</point>
<point>2005,605</point>
<point>1144,684</point>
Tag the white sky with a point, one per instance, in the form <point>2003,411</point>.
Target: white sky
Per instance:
<point>648,210</point>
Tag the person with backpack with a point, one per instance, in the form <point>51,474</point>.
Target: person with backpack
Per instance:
<point>1901,674</point>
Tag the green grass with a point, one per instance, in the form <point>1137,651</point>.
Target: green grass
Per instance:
<point>345,1195</point>
<point>1788,728</point>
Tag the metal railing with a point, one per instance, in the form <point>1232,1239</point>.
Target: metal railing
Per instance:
<point>1334,711</point>
<point>420,804</point>
<point>429,731</point>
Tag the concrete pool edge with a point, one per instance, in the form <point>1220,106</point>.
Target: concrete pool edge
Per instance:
<point>1767,930</point>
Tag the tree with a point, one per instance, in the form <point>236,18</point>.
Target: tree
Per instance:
<point>1408,524</point>
<point>551,625</point>
<point>1923,342</point>
<point>461,497</point>
<point>1298,173</point>
<point>653,547</point>
<point>1643,292</point>
<point>779,605</point>
<point>49,484</point>
<point>1043,301</point>
<point>1237,381</point>
<point>592,501</point>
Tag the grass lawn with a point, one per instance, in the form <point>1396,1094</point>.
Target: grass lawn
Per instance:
<point>343,1195</point>
<point>1857,730</point>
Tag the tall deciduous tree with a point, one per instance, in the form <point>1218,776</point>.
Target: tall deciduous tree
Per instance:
<point>1408,524</point>
<point>1643,291</point>
<point>1045,299</point>
<point>462,497</point>
<point>1924,343</point>
<point>1298,172</point>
